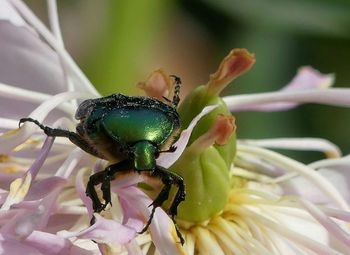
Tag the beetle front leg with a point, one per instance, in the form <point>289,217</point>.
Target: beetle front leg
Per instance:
<point>104,178</point>
<point>168,178</point>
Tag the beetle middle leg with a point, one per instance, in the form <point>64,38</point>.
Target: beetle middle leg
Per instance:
<point>104,178</point>
<point>168,178</point>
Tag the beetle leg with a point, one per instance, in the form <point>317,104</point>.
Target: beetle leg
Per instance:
<point>159,200</point>
<point>104,178</point>
<point>94,180</point>
<point>168,178</point>
<point>176,97</point>
<point>56,132</point>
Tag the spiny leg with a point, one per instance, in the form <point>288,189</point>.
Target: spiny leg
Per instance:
<point>56,132</point>
<point>176,97</point>
<point>168,178</point>
<point>104,178</point>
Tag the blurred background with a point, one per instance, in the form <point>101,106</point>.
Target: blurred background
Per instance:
<point>118,43</point>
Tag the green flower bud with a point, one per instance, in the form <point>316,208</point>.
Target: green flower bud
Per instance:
<point>206,162</point>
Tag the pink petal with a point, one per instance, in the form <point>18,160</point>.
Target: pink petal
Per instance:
<point>42,188</point>
<point>309,78</point>
<point>10,245</point>
<point>40,159</point>
<point>162,228</point>
<point>166,159</point>
<point>48,243</point>
<point>104,231</point>
<point>80,186</point>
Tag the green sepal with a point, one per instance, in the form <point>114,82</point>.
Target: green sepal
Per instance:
<point>207,184</point>
<point>192,105</point>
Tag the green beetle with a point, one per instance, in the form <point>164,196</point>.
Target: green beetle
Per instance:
<point>129,132</point>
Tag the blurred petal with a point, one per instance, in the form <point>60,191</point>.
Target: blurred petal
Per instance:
<point>310,78</point>
<point>316,144</point>
<point>80,81</point>
<point>26,63</point>
<point>166,159</point>
<point>8,13</point>
<point>263,101</point>
<point>308,86</point>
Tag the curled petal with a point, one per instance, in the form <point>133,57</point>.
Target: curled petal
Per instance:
<point>157,85</point>
<point>310,78</point>
<point>219,133</point>
<point>167,159</point>
<point>236,63</point>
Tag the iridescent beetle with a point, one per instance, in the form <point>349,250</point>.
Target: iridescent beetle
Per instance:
<point>129,132</point>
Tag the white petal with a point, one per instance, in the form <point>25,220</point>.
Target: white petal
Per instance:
<point>307,144</point>
<point>284,100</point>
<point>8,13</point>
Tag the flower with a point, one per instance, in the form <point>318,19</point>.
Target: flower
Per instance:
<point>243,199</point>
<point>253,200</point>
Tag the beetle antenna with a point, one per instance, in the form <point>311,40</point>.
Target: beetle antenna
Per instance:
<point>176,97</point>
